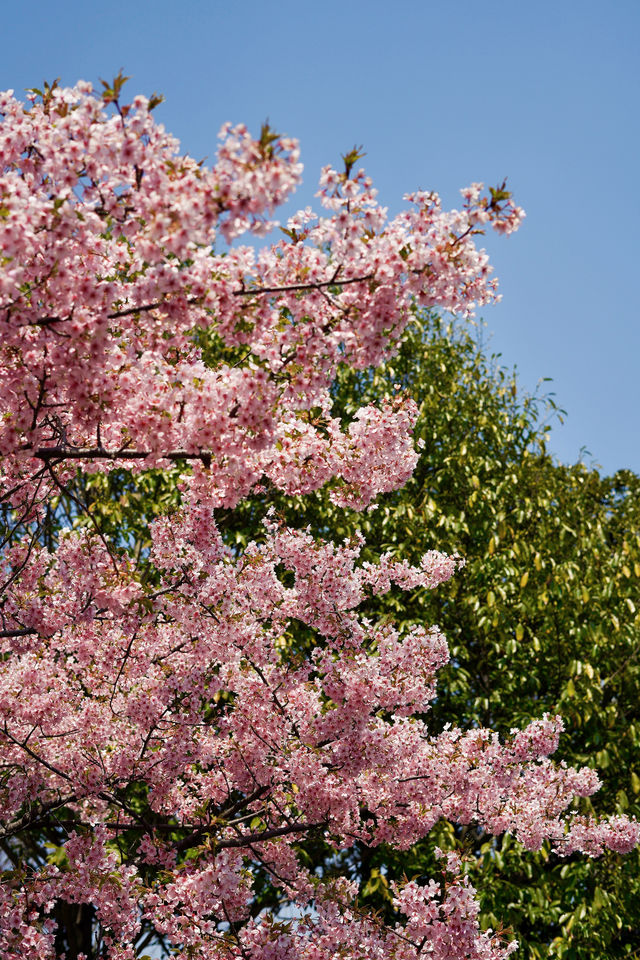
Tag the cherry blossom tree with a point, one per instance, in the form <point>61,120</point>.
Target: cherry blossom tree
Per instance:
<point>177,723</point>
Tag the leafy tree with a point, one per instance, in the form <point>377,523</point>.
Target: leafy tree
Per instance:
<point>212,745</point>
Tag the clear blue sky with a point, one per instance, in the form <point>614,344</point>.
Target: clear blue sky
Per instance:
<point>440,94</point>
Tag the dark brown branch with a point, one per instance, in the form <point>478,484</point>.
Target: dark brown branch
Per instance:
<point>97,453</point>
<point>84,507</point>
<point>249,838</point>
<point>194,301</point>
<point>270,834</point>
<point>145,308</point>
<point>18,570</point>
<point>45,763</point>
<point>244,840</point>
<point>9,493</point>
<point>292,287</point>
<point>38,817</point>
<point>244,801</point>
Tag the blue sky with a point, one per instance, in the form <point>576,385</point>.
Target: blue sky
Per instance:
<point>440,94</point>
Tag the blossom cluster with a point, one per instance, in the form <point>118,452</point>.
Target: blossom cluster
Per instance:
<point>242,743</point>
<point>181,727</point>
<point>107,240</point>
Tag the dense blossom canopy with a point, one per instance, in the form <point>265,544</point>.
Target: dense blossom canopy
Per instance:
<point>184,723</point>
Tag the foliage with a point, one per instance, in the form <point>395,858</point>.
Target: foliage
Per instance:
<point>212,715</point>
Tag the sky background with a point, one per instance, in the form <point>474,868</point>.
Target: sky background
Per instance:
<point>440,94</point>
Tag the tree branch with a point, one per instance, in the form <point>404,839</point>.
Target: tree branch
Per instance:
<point>292,287</point>
<point>247,839</point>
<point>98,453</point>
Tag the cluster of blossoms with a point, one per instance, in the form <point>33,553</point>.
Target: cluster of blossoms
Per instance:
<point>243,744</point>
<point>182,731</point>
<point>107,242</point>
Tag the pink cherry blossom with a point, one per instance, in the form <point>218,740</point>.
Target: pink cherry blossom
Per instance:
<point>181,725</point>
